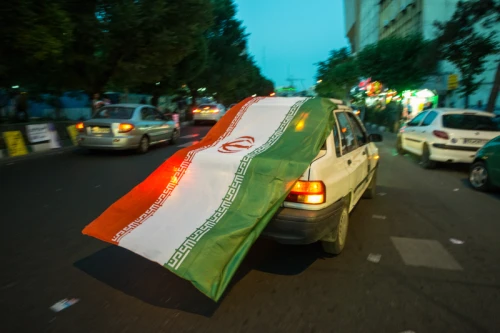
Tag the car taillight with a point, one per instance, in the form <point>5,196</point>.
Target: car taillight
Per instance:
<point>124,128</point>
<point>80,127</point>
<point>214,110</point>
<point>441,134</point>
<point>196,111</point>
<point>307,192</point>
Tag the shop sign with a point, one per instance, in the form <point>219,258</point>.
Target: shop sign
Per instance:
<point>452,82</point>
<point>15,143</point>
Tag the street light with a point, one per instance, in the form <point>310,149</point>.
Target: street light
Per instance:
<point>15,87</point>
<point>319,81</point>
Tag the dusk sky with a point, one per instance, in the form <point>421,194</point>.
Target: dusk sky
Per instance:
<point>292,35</point>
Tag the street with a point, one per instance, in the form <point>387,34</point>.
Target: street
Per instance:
<point>423,256</point>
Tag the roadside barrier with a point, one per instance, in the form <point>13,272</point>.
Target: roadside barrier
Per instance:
<point>23,139</point>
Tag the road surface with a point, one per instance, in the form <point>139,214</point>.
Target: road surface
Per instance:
<point>423,256</point>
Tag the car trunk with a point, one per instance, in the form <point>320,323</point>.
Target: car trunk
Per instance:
<point>469,129</point>
<point>101,127</point>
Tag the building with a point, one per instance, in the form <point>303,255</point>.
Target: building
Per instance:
<point>367,21</point>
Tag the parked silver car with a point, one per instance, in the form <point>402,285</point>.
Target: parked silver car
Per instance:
<point>127,126</point>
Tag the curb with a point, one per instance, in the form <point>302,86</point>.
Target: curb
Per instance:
<point>33,155</point>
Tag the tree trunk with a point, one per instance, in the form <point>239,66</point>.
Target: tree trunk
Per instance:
<point>467,98</point>
<point>494,91</point>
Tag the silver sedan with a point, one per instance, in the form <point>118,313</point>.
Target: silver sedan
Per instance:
<point>127,126</point>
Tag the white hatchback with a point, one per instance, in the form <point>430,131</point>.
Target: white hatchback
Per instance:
<point>318,207</point>
<point>447,135</point>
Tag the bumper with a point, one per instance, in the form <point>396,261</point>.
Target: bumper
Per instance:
<point>453,154</point>
<point>298,226</point>
<point>207,117</point>
<point>108,143</point>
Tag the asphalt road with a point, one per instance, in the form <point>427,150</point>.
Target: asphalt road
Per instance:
<point>422,282</point>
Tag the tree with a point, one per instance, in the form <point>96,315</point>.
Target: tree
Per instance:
<point>337,75</point>
<point>467,48</point>
<point>400,63</point>
<point>230,73</point>
<point>90,43</point>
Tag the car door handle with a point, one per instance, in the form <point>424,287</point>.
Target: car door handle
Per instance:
<point>349,162</point>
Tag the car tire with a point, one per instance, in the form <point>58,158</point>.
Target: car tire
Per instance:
<point>399,146</point>
<point>479,177</point>
<point>371,190</point>
<point>425,159</point>
<point>339,234</point>
<point>143,145</point>
<point>175,137</point>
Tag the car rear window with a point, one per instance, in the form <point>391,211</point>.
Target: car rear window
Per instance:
<point>208,106</point>
<point>115,112</point>
<point>470,122</point>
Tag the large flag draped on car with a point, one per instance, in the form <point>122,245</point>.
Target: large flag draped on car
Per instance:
<point>199,213</point>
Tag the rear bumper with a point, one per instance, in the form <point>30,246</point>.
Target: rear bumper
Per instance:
<point>108,143</point>
<point>298,226</point>
<point>453,154</point>
<point>207,117</point>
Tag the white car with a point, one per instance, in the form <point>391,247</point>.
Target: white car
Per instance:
<point>447,135</point>
<point>318,207</point>
<point>208,112</point>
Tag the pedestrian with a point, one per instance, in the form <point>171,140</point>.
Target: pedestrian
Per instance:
<point>480,105</point>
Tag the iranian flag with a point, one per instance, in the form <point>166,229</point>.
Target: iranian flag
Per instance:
<point>199,213</point>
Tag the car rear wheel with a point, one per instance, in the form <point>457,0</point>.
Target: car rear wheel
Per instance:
<point>175,137</point>
<point>339,234</point>
<point>479,177</point>
<point>425,159</point>
<point>371,190</point>
<point>143,145</point>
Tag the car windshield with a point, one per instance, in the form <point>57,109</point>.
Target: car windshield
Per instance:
<point>470,122</point>
<point>115,112</point>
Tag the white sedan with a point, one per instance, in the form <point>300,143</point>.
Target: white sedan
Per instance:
<point>208,112</point>
<point>447,135</point>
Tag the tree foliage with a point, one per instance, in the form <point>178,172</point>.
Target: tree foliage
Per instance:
<point>56,45</point>
<point>464,45</point>
<point>400,63</point>
<point>337,74</point>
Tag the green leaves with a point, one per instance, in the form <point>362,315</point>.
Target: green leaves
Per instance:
<point>337,74</point>
<point>462,42</point>
<point>399,62</point>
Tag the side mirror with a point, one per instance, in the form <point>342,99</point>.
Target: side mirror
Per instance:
<point>375,137</point>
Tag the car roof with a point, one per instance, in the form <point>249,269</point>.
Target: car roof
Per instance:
<point>461,111</point>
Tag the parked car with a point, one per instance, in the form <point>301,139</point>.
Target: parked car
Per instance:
<point>127,126</point>
<point>208,112</point>
<point>447,135</point>
<point>318,207</point>
<point>484,173</point>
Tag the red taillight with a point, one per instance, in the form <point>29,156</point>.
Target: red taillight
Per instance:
<point>306,192</point>
<point>441,134</point>
<point>80,127</point>
<point>196,111</point>
<point>124,128</point>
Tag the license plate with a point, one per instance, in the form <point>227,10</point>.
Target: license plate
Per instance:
<point>474,141</point>
<point>100,130</point>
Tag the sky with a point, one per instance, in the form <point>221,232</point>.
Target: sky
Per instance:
<point>287,37</point>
